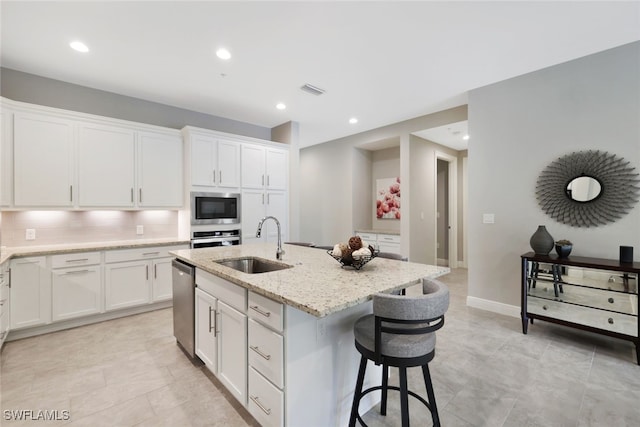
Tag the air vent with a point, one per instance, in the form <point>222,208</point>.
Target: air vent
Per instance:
<point>313,90</point>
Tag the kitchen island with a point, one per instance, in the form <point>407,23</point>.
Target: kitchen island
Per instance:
<point>294,362</point>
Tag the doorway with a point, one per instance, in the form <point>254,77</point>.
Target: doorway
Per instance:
<point>446,210</point>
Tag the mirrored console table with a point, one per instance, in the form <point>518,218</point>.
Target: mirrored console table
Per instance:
<point>592,294</point>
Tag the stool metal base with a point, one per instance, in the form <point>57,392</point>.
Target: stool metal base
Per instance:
<point>391,387</point>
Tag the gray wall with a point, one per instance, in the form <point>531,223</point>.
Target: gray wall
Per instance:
<point>33,89</point>
<point>335,175</point>
<point>518,127</point>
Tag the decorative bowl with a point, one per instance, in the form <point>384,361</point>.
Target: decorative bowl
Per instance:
<point>355,263</point>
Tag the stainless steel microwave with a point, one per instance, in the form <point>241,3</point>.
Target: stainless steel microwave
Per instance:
<point>215,208</point>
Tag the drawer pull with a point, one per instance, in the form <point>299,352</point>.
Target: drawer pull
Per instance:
<point>257,309</point>
<point>257,350</point>
<point>256,400</point>
<point>77,260</point>
<point>150,253</point>
<point>77,272</point>
<point>610,321</point>
<point>611,300</point>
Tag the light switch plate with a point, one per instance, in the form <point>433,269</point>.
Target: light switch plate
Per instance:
<point>139,229</point>
<point>488,218</point>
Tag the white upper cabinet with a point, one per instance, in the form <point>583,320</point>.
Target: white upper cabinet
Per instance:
<point>43,161</point>
<point>106,167</point>
<point>214,162</point>
<point>264,167</point>
<point>54,158</point>
<point>6,157</point>
<point>160,170</point>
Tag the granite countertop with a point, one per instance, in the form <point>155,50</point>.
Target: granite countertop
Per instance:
<point>23,251</point>
<point>316,284</point>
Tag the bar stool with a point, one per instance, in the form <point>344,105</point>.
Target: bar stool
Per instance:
<point>400,333</point>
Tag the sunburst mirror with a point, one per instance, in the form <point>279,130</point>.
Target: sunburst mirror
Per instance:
<point>588,188</point>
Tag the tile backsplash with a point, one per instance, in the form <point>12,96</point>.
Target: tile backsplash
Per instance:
<point>59,227</point>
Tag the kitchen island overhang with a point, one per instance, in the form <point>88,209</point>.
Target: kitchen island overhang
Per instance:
<point>316,283</point>
<point>321,302</point>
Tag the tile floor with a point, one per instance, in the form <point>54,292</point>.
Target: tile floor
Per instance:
<point>129,372</point>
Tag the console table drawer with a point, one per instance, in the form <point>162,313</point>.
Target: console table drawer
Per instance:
<point>609,321</point>
<point>597,298</point>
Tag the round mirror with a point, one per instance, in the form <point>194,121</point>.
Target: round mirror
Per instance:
<point>583,189</point>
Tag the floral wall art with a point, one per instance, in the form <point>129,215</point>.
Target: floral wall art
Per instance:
<point>388,198</point>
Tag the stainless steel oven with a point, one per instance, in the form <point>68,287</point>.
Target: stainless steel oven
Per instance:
<point>208,239</point>
<point>215,208</point>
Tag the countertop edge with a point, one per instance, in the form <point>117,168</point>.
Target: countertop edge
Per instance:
<point>26,251</point>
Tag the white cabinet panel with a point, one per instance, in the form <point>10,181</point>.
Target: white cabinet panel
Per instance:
<point>161,287</point>
<point>43,161</point>
<point>266,402</point>
<point>6,157</point>
<point>106,167</point>
<point>127,284</point>
<point>253,210</point>
<point>30,292</point>
<point>228,164</point>
<point>206,333</point>
<point>253,167</point>
<point>232,356</point>
<point>76,292</point>
<point>160,170</point>
<point>276,169</point>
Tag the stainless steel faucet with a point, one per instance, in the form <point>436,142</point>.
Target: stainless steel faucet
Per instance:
<point>279,252</point>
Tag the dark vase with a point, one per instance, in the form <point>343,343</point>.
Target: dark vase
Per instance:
<point>541,241</point>
<point>563,251</point>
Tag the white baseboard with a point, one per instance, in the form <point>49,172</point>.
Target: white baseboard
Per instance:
<point>493,306</point>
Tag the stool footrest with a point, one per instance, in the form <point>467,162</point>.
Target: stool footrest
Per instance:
<point>391,387</point>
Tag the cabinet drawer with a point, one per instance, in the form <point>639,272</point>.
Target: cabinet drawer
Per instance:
<point>370,238</point>
<point>266,311</point>
<point>615,322</point>
<point>140,253</point>
<point>597,298</point>
<point>266,349</point>
<point>388,238</point>
<point>75,259</point>
<point>231,294</point>
<point>266,402</point>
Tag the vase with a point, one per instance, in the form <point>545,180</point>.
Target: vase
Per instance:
<point>563,251</point>
<point>541,241</point>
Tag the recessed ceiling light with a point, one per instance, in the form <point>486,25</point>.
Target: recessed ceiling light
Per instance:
<point>353,120</point>
<point>280,106</point>
<point>466,137</point>
<point>223,53</point>
<point>79,46</point>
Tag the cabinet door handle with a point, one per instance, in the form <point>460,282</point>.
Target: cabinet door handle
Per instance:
<point>215,321</point>
<point>140,195</point>
<point>77,260</point>
<point>150,253</point>
<point>257,309</point>
<point>214,176</point>
<point>147,272</point>
<point>77,272</point>
<point>71,193</point>
<point>263,180</point>
<point>155,271</point>
<point>257,402</point>
<point>220,176</point>
<point>610,320</point>
<point>257,350</point>
<point>210,310</point>
<point>131,194</point>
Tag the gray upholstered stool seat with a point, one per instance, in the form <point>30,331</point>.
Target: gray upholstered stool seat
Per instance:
<point>400,333</point>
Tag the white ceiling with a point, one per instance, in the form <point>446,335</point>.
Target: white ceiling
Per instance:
<point>382,62</point>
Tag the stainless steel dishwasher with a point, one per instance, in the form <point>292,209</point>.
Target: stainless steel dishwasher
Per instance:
<point>184,283</point>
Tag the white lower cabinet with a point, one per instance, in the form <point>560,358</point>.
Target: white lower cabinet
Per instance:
<point>30,292</point>
<point>126,284</point>
<point>385,242</point>
<point>221,308</point>
<point>266,402</point>
<point>206,333</point>
<point>161,287</point>
<point>76,285</point>
<point>5,299</point>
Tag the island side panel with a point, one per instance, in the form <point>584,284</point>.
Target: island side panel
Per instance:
<point>321,368</point>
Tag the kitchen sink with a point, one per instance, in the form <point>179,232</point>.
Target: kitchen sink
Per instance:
<point>253,265</point>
